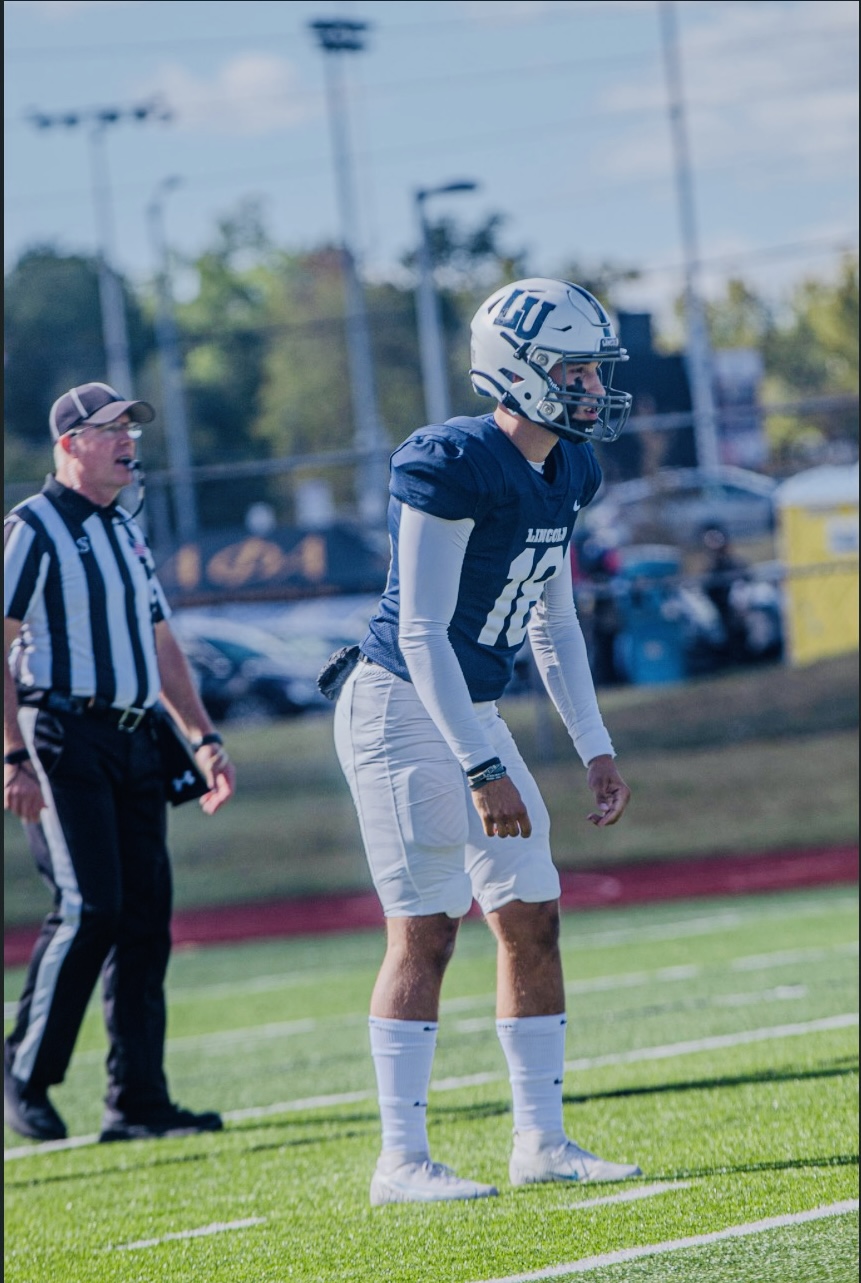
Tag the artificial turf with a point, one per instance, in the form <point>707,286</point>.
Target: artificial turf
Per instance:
<point>713,1042</point>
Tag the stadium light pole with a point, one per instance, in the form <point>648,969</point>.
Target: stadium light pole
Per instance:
<point>337,37</point>
<point>431,343</point>
<point>698,350</point>
<point>97,121</point>
<point>170,364</point>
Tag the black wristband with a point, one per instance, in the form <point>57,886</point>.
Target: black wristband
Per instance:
<point>17,757</point>
<point>212,738</point>
<point>477,779</point>
<point>482,766</point>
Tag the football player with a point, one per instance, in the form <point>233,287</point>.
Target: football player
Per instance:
<point>480,517</point>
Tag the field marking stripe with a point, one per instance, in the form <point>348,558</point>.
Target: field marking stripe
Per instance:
<point>49,1147</point>
<point>748,998</point>
<point>596,984</point>
<point>785,957</point>
<point>589,1263</point>
<point>715,1042</point>
<point>218,1227</point>
<point>628,1196</point>
<point>669,1050</point>
<point>480,1080</point>
<point>295,1106</point>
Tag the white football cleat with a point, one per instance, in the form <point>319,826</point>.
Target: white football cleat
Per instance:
<point>424,1182</point>
<point>565,1162</point>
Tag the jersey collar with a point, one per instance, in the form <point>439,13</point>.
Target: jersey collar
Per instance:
<point>75,504</point>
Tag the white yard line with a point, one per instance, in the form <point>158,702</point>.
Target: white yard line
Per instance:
<point>218,1227</point>
<point>633,1057</point>
<point>298,1106</point>
<point>782,993</point>
<point>49,1147</point>
<point>227,1039</point>
<point>786,957</point>
<point>595,984</point>
<point>628,1196</point>
<point>715,1042</point>
<point>590,1263</point>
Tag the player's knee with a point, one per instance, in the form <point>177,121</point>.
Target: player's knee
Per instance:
<point>438,938</point>
<point>534,926</point>
<point>549,927</point>
<point>439,943</point>
<point>426,942</point>
<point>448,941</point>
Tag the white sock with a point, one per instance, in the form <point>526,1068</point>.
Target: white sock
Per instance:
<point>403,1052</point>
<point>534,1047</point>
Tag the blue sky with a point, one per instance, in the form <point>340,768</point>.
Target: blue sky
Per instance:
<point>557,110</point>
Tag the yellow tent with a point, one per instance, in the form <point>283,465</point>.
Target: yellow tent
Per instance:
<point>818,542</point>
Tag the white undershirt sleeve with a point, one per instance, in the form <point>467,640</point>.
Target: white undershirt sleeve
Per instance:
<point>560,655</point>
<point>430,560</point>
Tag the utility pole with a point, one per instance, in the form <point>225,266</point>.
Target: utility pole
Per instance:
<point>431,343</point>
<point>698,349</point>
<point>337,37</point>
<point>112,305</point>
<point>170,364</point>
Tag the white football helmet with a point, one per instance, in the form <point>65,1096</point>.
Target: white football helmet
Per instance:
<point>528,328</point>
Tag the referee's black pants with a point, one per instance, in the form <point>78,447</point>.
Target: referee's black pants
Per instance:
<point>101,846</point>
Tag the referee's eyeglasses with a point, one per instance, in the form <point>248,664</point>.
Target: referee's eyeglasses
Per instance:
<point>132,430</point>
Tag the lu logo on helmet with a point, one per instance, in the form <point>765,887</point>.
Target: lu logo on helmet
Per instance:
<point>519,322</point>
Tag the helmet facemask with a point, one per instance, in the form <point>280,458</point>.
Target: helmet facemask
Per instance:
<point>562,397</point>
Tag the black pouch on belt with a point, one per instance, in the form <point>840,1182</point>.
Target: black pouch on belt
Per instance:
<point>182,778</point>
<point>336,670</point>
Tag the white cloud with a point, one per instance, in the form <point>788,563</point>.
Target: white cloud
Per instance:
<point>252,94</point>
<point>69,8</point>
<point>760,84</point>
<point>499,12</point>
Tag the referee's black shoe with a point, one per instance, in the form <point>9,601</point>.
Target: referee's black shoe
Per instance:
<point>165,1120</point>
<point>28,1111</point>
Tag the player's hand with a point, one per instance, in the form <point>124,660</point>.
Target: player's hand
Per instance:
<point>22,792</point>
<point>220,776</point>
<point>502,809</point>
<point>611,792</point>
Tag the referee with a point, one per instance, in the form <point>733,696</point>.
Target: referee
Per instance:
<point>89,652</point>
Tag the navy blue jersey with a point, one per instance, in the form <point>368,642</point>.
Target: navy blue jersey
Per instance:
<point>523,526</point>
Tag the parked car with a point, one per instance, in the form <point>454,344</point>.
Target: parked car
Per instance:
<point>246,673</point>
<point>677,505</point>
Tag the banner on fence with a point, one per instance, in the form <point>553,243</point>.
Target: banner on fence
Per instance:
<point>287,563</point>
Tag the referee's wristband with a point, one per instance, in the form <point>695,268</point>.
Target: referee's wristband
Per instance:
<point>212,738</point>
<point>17,757</point>
<point>485,773</point>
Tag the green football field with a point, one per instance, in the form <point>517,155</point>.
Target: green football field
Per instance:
<point>714,1042</point>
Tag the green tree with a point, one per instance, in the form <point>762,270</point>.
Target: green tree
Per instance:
<point>224,338</point>
<point>740,318</point>
<point>306,403</point>
<point>815,350</point>
<point>810,349</point>
<point>53,341</point>
<point>469,262</point>
<point>811,352</point>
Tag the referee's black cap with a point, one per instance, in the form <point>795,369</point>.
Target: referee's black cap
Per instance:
<point>95,404</point>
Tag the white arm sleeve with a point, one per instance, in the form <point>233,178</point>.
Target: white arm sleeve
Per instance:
<point>560,654</point>
<point>430,559</point>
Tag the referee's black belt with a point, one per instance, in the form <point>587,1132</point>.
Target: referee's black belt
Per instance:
<point>124,719</point>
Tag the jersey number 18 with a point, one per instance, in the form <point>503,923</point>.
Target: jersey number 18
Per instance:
<point>527,576</point>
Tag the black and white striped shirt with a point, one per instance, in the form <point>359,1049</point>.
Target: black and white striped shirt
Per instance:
<point>81,581</point>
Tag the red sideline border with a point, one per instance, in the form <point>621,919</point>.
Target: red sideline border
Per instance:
<point>749,874</point>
